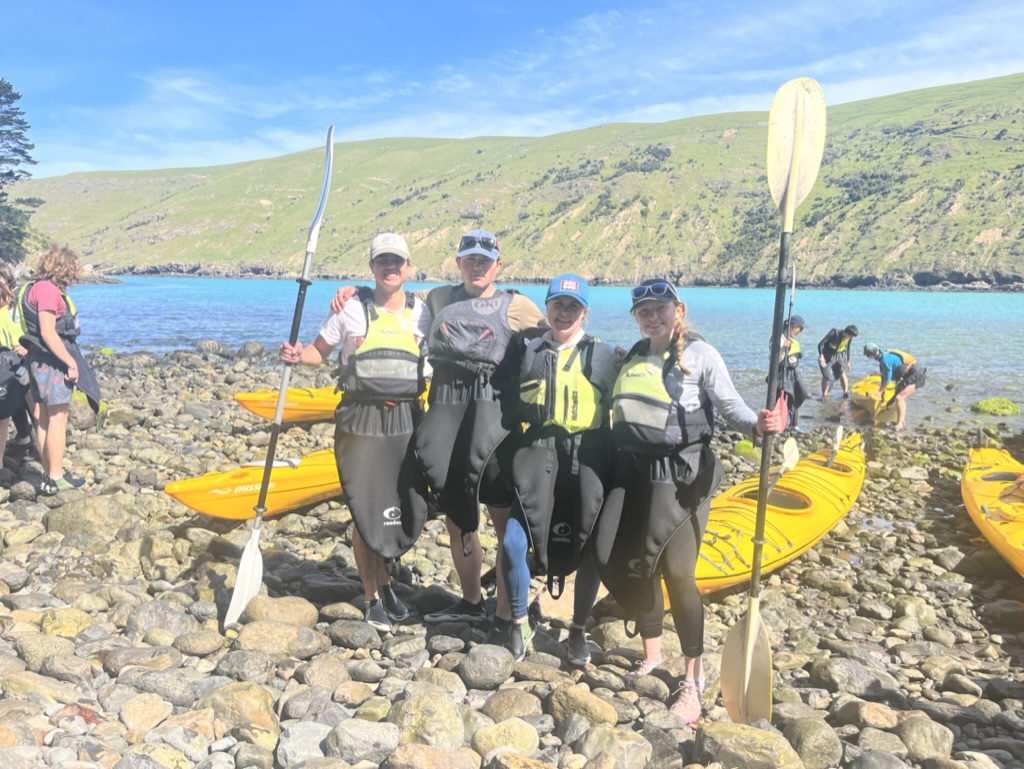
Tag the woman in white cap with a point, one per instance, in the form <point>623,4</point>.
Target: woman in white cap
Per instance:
<point>562,466</point>
<point>652,523</point>
<point>381,372</point>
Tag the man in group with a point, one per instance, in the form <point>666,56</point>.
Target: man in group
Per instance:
<point>903,369</point>
<point>467,438</point>
<point>381,373</point>
<point>834,358</point>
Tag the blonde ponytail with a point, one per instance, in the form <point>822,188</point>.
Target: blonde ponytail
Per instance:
<point>679,337</point>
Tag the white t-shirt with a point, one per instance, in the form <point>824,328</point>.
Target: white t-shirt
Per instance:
<point>348,327</point>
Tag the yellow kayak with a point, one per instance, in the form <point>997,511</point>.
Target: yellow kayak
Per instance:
<point>864,394</point>
<point>301,404</point>
<point>993,490</point>
<point>233,494</point>
<point>803,507</point>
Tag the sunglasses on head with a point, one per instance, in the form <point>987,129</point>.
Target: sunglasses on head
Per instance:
<point>469,241</point>
<point>654,289</point>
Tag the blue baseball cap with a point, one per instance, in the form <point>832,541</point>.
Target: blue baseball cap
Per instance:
<point>568,285</point>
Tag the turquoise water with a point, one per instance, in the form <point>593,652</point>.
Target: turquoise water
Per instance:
<point>970,342</point>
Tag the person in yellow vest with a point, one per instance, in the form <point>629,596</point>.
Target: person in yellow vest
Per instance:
<point>381,373</point>
<point>652,523</point>
<point>561,467</point>
<point>790,383</point>
<point>903,369</point>
<point>834,358</point>
<point>13,373</point>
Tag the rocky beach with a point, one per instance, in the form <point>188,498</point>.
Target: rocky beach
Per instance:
<point>898,640</point>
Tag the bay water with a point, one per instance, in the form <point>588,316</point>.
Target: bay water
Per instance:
<point>972,343</point>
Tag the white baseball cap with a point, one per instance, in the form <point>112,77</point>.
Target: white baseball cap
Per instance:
<point>389,243</point>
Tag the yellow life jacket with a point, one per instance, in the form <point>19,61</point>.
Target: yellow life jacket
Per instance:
<point>646,419</point>
<point>906,357</point>
<point>387,363</point>
<point>556,390</point>
<point>908,363</point>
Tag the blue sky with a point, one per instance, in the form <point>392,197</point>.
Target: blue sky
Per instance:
<point>110,84</point>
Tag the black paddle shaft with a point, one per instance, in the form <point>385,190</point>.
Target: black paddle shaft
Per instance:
<point>275,427</point>
<point>773,396</point>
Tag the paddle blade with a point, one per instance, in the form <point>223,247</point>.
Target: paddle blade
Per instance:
<point>835,446</point>
<point>747,669</point>
<point>796,141</point>
<point>790,455</point>
<point>249,579</point>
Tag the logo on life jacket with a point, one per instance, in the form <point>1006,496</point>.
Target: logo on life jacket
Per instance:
<point>486,306</point>
<point>561,532</point>
<point>392,516</point>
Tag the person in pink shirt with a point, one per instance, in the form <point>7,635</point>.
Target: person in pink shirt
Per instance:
<point>56,365</point>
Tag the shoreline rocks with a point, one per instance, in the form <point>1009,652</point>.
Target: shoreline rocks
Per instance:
<point>898,640</point>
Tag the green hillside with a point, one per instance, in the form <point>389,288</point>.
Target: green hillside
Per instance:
<point>920,187</point>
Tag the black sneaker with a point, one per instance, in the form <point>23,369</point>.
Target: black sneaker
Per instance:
<point>393,605</point>
<point>579,651</point>
<point>461,611</point>
<point>522,634</point>
<point>500,633</point>
<point>376,617</point>
<point>48,487</point>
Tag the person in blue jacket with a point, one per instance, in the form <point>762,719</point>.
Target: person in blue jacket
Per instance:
<point>903,369</point>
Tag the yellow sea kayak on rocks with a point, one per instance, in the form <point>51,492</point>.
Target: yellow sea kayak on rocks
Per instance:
<point>864,394</point>
<point>803,507</point>
<point>993,490</point>
<point>233,494</point>
<point>301,404</point>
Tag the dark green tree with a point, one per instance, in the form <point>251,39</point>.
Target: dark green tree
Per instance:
<point>14,153</point>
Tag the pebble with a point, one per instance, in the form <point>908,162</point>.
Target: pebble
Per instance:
<point>898,640</point>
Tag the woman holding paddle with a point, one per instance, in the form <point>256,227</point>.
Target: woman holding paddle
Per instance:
<point>652,522</point>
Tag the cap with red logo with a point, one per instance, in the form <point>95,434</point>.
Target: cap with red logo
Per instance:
<point>568,285</point>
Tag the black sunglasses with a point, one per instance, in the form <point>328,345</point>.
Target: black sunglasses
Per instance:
<point>469,241</point>
<point>654,289</point>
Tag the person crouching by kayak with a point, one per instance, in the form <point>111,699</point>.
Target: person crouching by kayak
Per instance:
<point>381,373</point>
<point>903,369</point>
<point>652,523</point>
<point>468,435</point>
<point>790,383</point>
<point>562,466</point>
<point>834,358</point>
<point>57,367</point>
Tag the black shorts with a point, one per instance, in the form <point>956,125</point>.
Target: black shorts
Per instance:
<point>916,376</point>
<point>833,369</point>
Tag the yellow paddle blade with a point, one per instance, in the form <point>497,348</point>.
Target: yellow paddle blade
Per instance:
<point>796,142</point>
<point>750,699</point>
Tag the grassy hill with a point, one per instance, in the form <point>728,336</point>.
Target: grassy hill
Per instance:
<point>920,187</point>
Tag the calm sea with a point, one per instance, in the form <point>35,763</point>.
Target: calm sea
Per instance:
<point>970,342</point>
